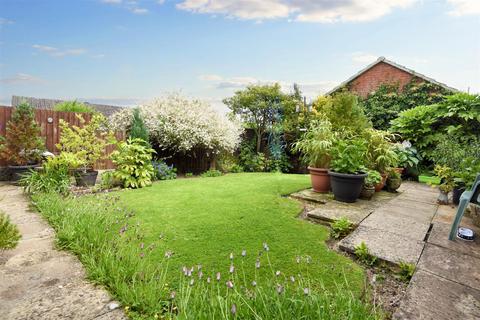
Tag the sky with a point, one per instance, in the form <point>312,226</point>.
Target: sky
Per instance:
<point>126,52</point>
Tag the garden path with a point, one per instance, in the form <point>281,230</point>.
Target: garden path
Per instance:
<point>412,228</point>
<point>40,282</point>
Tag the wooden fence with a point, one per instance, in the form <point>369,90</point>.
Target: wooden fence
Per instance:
<point>48,120</point>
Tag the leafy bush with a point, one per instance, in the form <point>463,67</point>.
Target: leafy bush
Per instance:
<point>447,178</point>
<point>163,171</point>
<point>22,144</point>
<point>9,234</point>
<point>73,106</point>
<point>250,160</point>
<point>425,126</point>
<point>109,181</point>
<point>341,228</point>
<point>137,127</point>
<point>316,144</point>
<point>211,173</point>
<point>373,178</point>
<point>363,254</point>
<point>387,101</point>
<point>407,155</point>
<point>86,142</point>
<point>344,113</point>
<point>349,156</point>
<point>380,150</point>
<point>133,159</point>
<point>188,174</point>
<point>178,124</point>
<point>53,177</point>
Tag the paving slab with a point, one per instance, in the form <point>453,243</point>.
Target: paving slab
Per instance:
<point>39,282</point>
<point>401,225</point>
<point>451,265</point>
<point>310,195</point>
<point>387,246</point>
<point>439,236</point>
<point>430,297</point>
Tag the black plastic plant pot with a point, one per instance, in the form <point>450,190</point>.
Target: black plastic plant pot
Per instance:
<point>17,172</point>
<point>86,178</point>
<point>457,192</point>
<point>347,187</point>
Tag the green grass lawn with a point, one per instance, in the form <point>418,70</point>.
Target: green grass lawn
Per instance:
<point>203,220</point>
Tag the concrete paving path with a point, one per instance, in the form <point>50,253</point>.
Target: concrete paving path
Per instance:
<point>39,282</point>
<point>395,231</point>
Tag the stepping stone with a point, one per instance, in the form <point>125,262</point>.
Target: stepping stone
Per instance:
<point>387,246</point>
<point>355,215</point>
<point>396,223</point>
<point>451,265</point>
<point>439,236</point>
<point>310,195</point>
<point>430,297</point>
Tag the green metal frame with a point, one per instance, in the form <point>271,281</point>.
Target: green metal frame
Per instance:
<point>469,196</point>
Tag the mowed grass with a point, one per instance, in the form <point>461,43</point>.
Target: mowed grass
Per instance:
<point>203,220</point>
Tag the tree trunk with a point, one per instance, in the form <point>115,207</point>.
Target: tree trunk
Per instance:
<point>259,141</point>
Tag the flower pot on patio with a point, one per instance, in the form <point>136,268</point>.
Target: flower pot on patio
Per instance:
<point>367,192</point>
<point>320,179</point>
<point>393,184</point>
<point>17,172</point>
<point>456,193</point>
<point>379,186</point>
<point>86,178</point>
<point>347,187</point>
<point>442,197</point>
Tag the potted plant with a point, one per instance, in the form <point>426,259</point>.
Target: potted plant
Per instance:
<point>447,183</point>
<point>372,179</point>
<point>315,147</point>
<point>380,153</point>
<point>22,147</point>
<point>347,171</point>
<point>394,180</point>
<point>87,143</point>
<point>407,156</point>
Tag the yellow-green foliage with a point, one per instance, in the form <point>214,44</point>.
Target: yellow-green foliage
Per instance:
<point>86,142</point>
<point>9,234</point>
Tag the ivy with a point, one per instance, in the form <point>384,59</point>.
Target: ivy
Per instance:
<point>384,105</point>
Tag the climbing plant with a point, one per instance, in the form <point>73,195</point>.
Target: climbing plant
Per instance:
<point>384,105</point>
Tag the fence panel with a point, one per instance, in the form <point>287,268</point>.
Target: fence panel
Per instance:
<point>49,122</point>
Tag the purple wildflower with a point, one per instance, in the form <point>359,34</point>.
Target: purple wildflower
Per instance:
<point>298,259</point>
<point>232,268</point>
<point>142,245</point>
<point>184,270</point>
<point>257,264</point>
<point>279,288</point>
<point>277,273</point>
<point>306,291</point>
<point>142,254</point>
<point>244,253</point>
<point>218,276</point>
<point>231,255</point>
<point>200,274</point>
<point>208,280</point>
<point>234,309</point>
<point>254,283</point>
<point>265,246</point>
<point>168,254</point>
<point>192,281</point>
<point>173,294</point>
<point>229,284</point>
<point>292,278</point>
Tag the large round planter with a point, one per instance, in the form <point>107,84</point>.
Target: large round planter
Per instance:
<point>442,197</point>
<point>379,186</point>
<point>456,193</point>
<point>86,179</point>
<point>367,192</point>
<point>17,172</point>
<point>346,187</point>
<point>320,179</point>
<point>393,184</point>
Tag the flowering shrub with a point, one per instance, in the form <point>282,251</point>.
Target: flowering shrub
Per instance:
<point>179,124</point>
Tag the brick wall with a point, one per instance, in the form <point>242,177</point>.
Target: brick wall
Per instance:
<point>381,73</point>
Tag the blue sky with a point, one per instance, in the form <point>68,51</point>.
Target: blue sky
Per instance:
<point>124,52</point>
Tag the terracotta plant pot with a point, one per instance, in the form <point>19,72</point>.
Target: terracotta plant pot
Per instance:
<point>347,187</point>
<point>86,179</point>
<point>379,186</point>
<point>367,192</point>
<point>320,179</point>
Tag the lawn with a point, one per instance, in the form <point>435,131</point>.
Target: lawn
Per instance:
<point>203,220</point>
<point>122,237</point>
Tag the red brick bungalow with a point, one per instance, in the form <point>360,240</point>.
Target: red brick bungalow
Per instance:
<point>380,72</point>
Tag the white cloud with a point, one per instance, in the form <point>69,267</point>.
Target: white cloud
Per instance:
<point>22,78</point>
<point>4,21</point>
<point>160,1</point>
<point>323,11</point>
<point>363,57</point>
<point>464,7</point>
<point>56,52</point>
<point>139,10</point>
<point>112,1</point>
